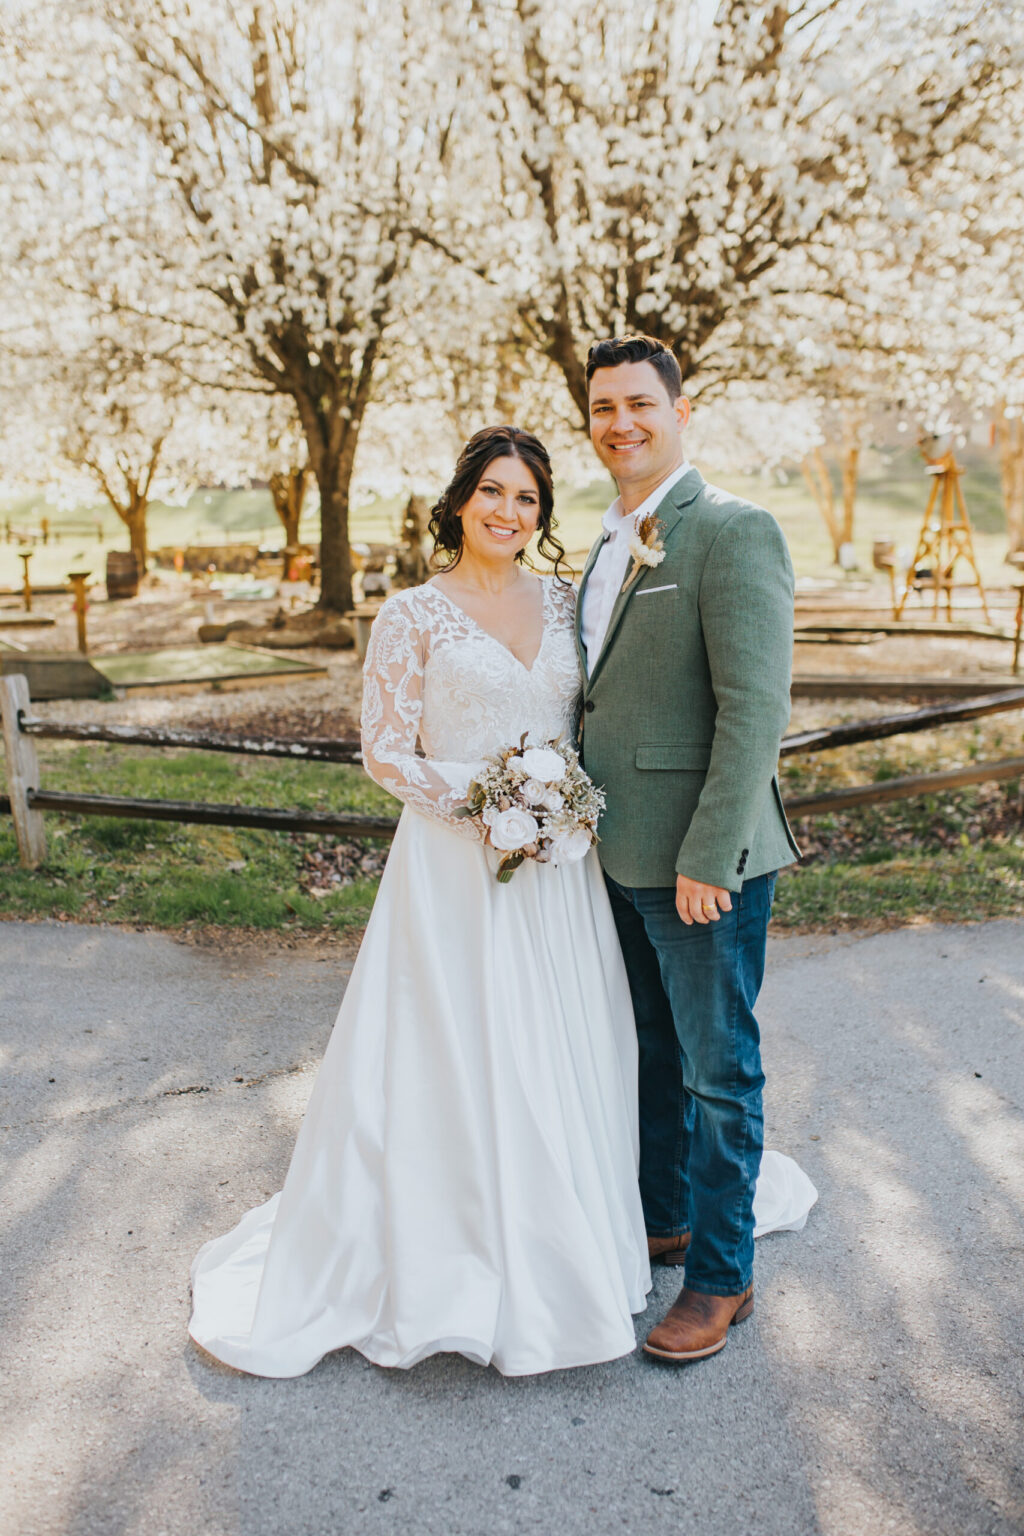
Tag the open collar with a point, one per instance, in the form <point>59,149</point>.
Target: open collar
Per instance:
<point>669,512</point>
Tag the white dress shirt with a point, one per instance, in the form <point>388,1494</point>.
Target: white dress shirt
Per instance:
<point>609,569</point>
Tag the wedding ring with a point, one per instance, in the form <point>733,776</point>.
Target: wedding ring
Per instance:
<point>709,906</point>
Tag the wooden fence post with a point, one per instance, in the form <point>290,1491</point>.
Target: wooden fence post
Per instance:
<point>22,771</point>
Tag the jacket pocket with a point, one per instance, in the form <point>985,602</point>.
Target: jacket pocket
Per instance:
<point>673,754</point>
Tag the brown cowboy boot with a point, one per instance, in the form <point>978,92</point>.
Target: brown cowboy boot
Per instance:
<point>668,1250</point>
<point>698,1325</point>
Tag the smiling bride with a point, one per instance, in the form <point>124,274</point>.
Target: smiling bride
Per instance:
<point>465,1176</point>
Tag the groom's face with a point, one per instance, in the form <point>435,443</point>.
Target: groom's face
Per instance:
<point>634,426</point>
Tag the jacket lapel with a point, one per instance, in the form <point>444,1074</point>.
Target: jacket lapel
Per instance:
<point>669,514</point>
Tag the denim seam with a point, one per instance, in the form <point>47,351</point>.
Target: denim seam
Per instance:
<point>698,1285</point>
<point>741,1194</point>
<point>677,1181</point>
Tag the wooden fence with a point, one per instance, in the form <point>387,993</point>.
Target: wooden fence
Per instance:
<point>26,800</point>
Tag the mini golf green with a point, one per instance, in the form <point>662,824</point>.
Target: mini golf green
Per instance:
<point>200,664</point>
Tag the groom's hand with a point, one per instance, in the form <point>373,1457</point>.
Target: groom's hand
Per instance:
<point>700,903</point>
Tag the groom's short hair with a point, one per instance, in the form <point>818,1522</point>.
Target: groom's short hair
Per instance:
<point>617,350</point>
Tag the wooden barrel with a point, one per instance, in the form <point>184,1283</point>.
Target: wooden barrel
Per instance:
<point>122,574</point>
<point>883,554</point>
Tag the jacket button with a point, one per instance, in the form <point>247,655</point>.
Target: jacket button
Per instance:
<point>589,706</point>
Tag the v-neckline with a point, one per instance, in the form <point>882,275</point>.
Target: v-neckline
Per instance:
<point>500,643</point>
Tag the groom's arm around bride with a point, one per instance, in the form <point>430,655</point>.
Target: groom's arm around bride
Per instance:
<point>685,633</point>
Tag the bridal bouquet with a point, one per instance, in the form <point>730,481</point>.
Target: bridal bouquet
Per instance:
<point>536,803</point>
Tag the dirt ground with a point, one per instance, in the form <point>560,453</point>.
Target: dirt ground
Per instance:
<point>170,609</point>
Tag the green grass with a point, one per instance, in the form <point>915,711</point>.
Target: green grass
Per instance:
<point>940,857</point>
<point>941,886</point>
<point>167,874</point>
<point>935,857</point>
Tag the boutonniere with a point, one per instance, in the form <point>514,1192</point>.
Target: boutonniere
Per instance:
<point>645,546</point>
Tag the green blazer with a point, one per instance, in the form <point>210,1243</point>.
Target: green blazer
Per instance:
<point>688,698</point>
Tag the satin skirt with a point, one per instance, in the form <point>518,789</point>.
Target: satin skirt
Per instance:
<point>465,1178</point>
<point>465,1175</point>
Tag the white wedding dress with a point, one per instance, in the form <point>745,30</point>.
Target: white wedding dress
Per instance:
<point>465,1175</point>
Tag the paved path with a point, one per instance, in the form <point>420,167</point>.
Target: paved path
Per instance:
<point>150,1092</point>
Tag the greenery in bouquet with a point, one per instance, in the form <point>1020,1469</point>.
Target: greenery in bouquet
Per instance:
<point>536,802</point>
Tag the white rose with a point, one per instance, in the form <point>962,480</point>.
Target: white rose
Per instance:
<point>543,763</point>
<point>489,814</point>
<point>534,792</point>
<point>512,830</point>
<point>570,847</point>
<point>515,765</point>
<point>552,800</point>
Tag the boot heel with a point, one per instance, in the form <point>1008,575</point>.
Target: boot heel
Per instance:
<point>743,1313</point>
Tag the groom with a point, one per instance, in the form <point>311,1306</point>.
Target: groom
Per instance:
<point>685,631</point>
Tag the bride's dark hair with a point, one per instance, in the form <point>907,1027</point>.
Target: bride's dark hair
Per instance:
<point>482,449</point>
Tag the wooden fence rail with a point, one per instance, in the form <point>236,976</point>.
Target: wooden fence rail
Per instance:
<point>204,813</point>
<point>345,750</point>
<point>828,800</point>
<point>26,800</point>
<point>881,726</point>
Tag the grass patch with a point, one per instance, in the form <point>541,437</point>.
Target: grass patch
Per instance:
<point>168,874</point>
<point>944,857</point>
<point>943,886</point>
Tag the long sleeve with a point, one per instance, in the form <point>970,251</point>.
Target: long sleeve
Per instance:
<point>391,714</point>
<point>746,609</point>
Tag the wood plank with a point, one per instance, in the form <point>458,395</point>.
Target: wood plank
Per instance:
<point>905,628</point>
<point>905,788</point>
<point>55,675</point>
<point>866,686</point>
<point>202,814</point>
<point>22,767</point>
<point>883,726</point>
<point>344,750</point>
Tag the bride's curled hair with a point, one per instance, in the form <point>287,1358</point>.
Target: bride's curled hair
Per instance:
<point>481,450</point>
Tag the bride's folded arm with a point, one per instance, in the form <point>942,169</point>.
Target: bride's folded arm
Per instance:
<point>390,722</point>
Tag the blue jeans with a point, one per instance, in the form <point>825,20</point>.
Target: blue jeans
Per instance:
<point>701,1125</point>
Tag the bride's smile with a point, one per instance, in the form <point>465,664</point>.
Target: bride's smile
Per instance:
<point>501,516</point>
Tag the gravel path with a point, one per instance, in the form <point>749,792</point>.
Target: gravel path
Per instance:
<point>151,1093</point>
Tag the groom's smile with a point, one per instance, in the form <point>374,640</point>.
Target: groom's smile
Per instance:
<point>635,428</point>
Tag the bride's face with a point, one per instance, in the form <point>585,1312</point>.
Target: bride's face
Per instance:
<point>500,518</point>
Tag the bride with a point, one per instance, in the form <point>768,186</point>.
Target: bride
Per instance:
<point>465,1176</point>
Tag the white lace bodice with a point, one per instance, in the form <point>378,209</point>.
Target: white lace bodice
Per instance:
<point>435,680</point>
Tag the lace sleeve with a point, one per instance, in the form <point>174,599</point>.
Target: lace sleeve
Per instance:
<point>392,707</point>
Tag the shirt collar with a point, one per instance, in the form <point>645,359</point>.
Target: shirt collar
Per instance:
<point>615,519</point>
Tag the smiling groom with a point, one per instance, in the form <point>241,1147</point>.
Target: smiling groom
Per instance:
<point>685,632</point>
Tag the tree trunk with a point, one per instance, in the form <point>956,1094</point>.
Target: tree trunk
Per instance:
<point>562,351</point>
<point>1009,433</point>
<point>819,482</point>
<point>333,473</point>
<point>134,518</point>
<point>853,422</point>
<point>335,554</point>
